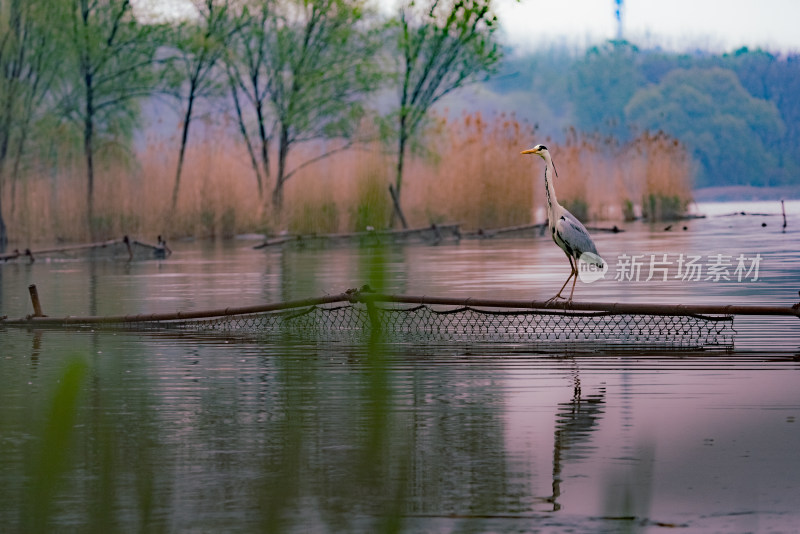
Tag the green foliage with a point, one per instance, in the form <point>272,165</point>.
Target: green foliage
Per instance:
<point>192,72</point>
<point>208,221</point>
<point>728,130</point>
<point>776,79</point>
<point>441,47</point>
<point>618,90</point>
<point>108,60</point>
<point>578,207</point>
<point>315,218</point>
<point>72,75</point>
<point>102,226</point>
<point>602,83</point>
<point>627,210</point>
<point>535,86</point>
<point>314,77</point>
<point>657,207</point>
<point>310,64</point>
<point>227,222</point>
<point>374,205</point>
<point>29,64</point>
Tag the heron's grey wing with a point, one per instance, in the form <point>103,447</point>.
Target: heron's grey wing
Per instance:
<point>574,235</point>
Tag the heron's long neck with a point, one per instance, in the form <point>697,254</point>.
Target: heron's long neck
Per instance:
<point>549,175</point>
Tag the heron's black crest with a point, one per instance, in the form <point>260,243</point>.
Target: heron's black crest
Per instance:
<point>542,147</point>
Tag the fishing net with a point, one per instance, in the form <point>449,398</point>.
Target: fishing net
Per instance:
<point>113,249</point>
<point>424,322</point>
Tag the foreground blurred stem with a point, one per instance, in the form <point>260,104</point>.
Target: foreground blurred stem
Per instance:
<point>50,461</point>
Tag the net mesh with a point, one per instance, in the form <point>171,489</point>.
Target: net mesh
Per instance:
<point>424,322</point>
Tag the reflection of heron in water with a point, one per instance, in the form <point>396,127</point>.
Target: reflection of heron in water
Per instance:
<point>576,420</point>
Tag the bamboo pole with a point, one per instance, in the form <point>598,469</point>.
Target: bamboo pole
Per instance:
<point>175,316</point>
<point>354,296</point>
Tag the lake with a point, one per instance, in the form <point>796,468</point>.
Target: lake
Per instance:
<point>113,430</point>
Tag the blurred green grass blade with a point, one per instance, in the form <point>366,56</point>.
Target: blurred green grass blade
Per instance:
<point>51,461</point>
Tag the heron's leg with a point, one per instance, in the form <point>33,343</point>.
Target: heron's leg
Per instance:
<point>575,279</point>
<point>572,273</point>
<point>574,266</point>
<point>558,295</point>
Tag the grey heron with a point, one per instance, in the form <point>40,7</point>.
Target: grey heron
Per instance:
<point>566,230</point>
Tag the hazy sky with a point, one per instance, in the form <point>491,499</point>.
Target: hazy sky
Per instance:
<point>721,25</point>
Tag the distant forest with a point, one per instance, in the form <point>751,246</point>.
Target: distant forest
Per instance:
<point>88,88</point>
<point>737,113</point>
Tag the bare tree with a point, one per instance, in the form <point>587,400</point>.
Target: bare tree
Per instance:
<point>246,65</point>
<point>442,46</point>
<point>113,57</point>
<point>199,47</point>
<point>26,72</point>
<point>307,67</point>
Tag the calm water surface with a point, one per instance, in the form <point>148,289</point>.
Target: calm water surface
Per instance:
<point>169,432</point>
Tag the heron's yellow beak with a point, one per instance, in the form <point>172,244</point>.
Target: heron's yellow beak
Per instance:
<point>530,151</point>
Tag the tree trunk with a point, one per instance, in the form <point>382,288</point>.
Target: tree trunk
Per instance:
<point>246,137</point>
<point>262,134</point>
<point>3,152</point>
<point>88,150</point>
<point>283,152</point>
<point>182,153</point>
<point>401,156</point>
<point>3,229</point>
<point>5,137</point>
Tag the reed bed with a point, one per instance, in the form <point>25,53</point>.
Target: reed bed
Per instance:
<point>659,174</point>
<point>476,176</point>
<point>470,172</point>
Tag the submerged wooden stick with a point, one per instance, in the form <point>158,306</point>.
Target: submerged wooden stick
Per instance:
<point>76,248</point>
<point>783,210</point>
<point>437,229</point>
<point>37,306</point>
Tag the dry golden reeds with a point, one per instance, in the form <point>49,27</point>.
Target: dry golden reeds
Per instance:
<point>473,174</point>
<point>478,178</point>
<point>660,177</point>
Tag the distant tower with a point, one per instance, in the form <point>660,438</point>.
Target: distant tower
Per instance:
<point>618,15</point>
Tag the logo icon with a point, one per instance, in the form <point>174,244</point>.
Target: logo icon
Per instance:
<point>591,267</point>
